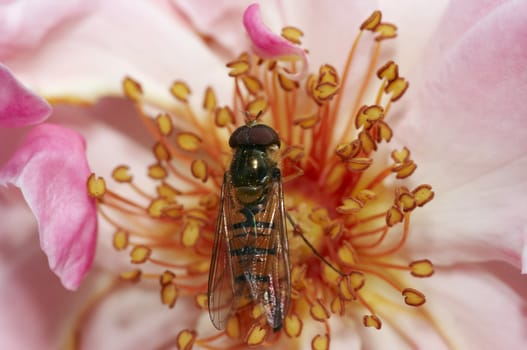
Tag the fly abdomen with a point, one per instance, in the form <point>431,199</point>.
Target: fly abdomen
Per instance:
<point>252,277</point>
<point>253,251</point>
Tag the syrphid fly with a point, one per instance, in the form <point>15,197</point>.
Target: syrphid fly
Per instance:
<point>250,260</point>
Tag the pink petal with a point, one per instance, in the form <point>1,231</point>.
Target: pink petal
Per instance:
<point>18,105</point>
<point>25,23</point>
<point>50,169</point>
<point>144,41</point>
<point>268,44</point>
<point>466,128</point>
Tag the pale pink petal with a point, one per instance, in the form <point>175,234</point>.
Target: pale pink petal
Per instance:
<point>88,59</point>
<point>50,169</point>
<point>268,44</point>
<point>219,20</point>
<point>469,306</point>
<point>25,23</point>
<point>18,105</point>
<point>480,306</point>
<point>134,318</point>
<point>466,128</point>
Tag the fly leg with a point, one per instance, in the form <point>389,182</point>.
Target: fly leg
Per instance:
<point>298,230</point>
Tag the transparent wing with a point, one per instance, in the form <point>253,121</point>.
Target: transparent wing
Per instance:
<point>259,253</point>
<point>220,288</point>
<point>276,299</point>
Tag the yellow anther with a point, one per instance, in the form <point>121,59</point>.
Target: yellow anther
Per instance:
<point>96,186</point>
<point>319,216</point>
<point>384,132</point>
<point>423,194</point>
<point>198,215</point>
<point>188,141</point>
<point>385,31</point>
<point>167,192</point>
<point>397,88</point>
<point>238,67</point>
<point>224,117</point>
<point>366,195</point>
<point>337,306</point>
<point>367,143</point>
<point>404,170</point>
<point>257,311</point>
<point>190,234</point>
<point>372,321</point>
<point>350,206</point>
<point>320,342</point>
<point>413,297</point>
<point>157,172</point>
<point>372,22</point>
<point>295,153</point>
<point>407,202</point>
<point>180,90</point>
<point>199,268</point>
<point>422,268</point>
<point>169,294</point>
<point>328,74</point>
<point>348,150</point>
<point>318,311</point>
<point>256,335</point>
<point>161,152</point>
<point>252,84</point>
<point>394,216</point>
<point>346,254</point>
<point>164,124</point>
<point>157,206</point>
<point>166,277</point>
<point>401,156</point>
<point>120,240</point>
<point>325,91</point>
<point>199,169</point>
<point>132,89</point>
<point>367,115</point>
<point>122,174</point>
<point>292,34</point>
<point>209,101</point>
<point>293,325</point>
<point>209,201</point>
<point>298,275</point>
<point>233,328</point>
<point>202,301</point>
<point>346,291</point>
<point>334,230</point>
<point>358,163</point>
<point>286,83</point>
<point>357,280</point>
<point>140,254</point>
<point>185,339</point>
<point>307,122</point>
<point>389,71</point>
<point>257,106</point>
<point>133,276</point>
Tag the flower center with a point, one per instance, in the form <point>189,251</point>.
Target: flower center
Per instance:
<point>347,225</point>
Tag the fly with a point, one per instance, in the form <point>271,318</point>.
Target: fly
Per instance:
<point>250,259</point>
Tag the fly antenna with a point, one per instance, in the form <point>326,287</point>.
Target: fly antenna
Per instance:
<point>250,119</point>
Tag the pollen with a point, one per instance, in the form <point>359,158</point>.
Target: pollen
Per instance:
<point>348,194</point>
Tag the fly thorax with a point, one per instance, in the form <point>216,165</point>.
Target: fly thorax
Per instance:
<point>251,171</point>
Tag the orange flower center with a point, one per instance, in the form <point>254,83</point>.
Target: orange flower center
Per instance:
<point>350,224</point>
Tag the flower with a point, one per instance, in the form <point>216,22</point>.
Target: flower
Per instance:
<point>453,273</point>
